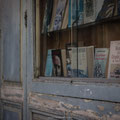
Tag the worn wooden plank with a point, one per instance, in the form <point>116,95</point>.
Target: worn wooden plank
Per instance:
<point>107,92</point>
<point>10,93</point>
<point>77,108</point>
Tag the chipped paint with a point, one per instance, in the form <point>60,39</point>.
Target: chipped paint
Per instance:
<point>117,108</point>
<point>36,101</point>
<point>101,108</point>
<point>15,94</point>
<point>87,101</point>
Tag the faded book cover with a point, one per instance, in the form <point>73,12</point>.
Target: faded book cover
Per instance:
<point>100,62</point>
<point>114,60</point>
<point>68,61</point>
<point>98,8</point>
<point>82,62</point>
<point>57,63</point>
<point>49,64</point>
<point>89,11</point>
<point>59,14</point>
<point>79,64</point>
<point>76,11</point>
<point>74,61</point>
<point>105,9</point>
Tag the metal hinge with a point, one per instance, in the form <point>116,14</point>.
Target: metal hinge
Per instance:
<point>25,17</point>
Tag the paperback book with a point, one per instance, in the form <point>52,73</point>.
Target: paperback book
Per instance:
<point>82,62</point>
<point>79,62</point>
<point>105,9</point>
<point>59,14</point>
<point>49,64</point>
<point>57,63</point>
<point>68,61</point>
<point>76,11</point>
<point>114,60</point>
<point>89,11</point>
<point>101,61</point>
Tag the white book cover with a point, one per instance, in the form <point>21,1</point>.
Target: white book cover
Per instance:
<point>114,60</point>
<point>82,62</point>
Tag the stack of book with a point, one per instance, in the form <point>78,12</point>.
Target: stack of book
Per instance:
<point>84,62</point>
<point>60,14</point>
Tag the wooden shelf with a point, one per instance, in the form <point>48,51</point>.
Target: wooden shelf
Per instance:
<point>102,21</point>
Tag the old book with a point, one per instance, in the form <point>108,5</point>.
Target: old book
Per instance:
<point>57,63</point>
<point>98,8</point>
<point>100,63</point>
<point>90,61</point>
<point>47,16</point>
<point>63,54</point>
<point>79,65</point>
<point>74,62</point>
<point>82,62</point>
<point>114,60</point>
<point>59,14</point>
<point>65,16</point>
<point>49,64</point>
<point>76,12</point>
<point>89,11</point>
<point>55,3</point>
<point>105,9</point>
<point>68,61</point>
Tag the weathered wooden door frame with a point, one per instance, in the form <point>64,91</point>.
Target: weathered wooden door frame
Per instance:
<point>18,91</point>
<point>65,92</point>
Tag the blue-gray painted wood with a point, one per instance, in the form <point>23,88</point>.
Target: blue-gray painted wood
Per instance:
<point>14,48</point>
<point>105,92</point>
<point>24,58</point>
<point>9,115</point>
<point>10,21</point>
<point>30,67</point>
<point>11,110</point>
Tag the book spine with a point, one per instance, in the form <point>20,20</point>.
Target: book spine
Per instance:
<point>49,64</point>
